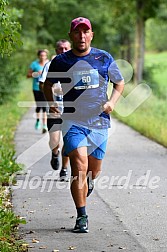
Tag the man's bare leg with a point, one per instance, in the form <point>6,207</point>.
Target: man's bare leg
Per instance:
<point>44,119</point>
<point>54,145</point>
<point>79,167</point>
<point>94,166</point>
<point>65,161</point>
<point>81,164</point>
<point>54,141</point>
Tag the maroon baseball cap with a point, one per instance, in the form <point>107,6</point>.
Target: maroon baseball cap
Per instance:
<point>80,20</point>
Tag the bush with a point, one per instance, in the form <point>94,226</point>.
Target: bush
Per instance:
<point>9,79</point>
<point>148,76</point>
<point>9,240</point>
<point>8,165</point>
<point>150,71</point>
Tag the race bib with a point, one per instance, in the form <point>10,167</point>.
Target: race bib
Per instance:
<point>86,79</point>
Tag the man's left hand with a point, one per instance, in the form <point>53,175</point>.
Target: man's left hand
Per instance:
<point>108,107</point>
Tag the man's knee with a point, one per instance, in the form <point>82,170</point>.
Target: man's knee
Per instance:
<point>79,163</point>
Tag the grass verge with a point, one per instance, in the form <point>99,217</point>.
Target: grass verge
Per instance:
<point>150,118</point>
<point>9,119</point>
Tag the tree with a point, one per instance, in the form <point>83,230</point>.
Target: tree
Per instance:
<point>123,19</point>
<point>144,10</point>
<point>9,29</point>
<point>156,38</point>
<point>119,26</point>
<point>130,18</point>
<point>46,21</point>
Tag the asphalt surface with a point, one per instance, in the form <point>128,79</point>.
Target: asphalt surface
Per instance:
<point>127,210</point>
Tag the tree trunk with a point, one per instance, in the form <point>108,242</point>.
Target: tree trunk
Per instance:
<point>125,47</point>
<point>128,52</point>
<point>139,45</point>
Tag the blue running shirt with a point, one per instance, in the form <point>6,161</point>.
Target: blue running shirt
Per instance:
<point>84,82</point>
<point>36,67</point>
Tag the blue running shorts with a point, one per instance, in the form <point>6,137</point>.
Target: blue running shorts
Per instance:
<point>94,139</point>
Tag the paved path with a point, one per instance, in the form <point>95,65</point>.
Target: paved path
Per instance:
<point>127,210</point>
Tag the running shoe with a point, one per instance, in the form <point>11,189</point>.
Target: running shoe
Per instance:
<point>63,174</point>
<point>90,183</point>
<point>37,125</point>
<point>81,225</point>
<point>45,129</point>
<point>55,163</point>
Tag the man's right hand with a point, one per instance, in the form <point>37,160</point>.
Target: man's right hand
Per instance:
<point>53,111</point>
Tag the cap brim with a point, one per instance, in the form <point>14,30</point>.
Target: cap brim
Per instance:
<point>89,27</point>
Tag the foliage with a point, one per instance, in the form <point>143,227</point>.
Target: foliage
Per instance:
<point>156,38</point>
<point>9,41</point>
<point>148,76</point>
<point>10,115</point>
<point>150,119</point>
<point>123,22</point>
<point>9,78</point>
<point>51,21</point>
<point>9,29</point>
<point>8,164</point>
<point>114,22</point>
<point>8,225</point>
<point>155,65</point>
<point>147,8</point>
<point>156,30</point>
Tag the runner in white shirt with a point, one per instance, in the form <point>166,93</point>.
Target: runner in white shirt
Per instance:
<point>61,47</point>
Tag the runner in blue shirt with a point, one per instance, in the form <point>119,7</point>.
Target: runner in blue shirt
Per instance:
<point>34,72</point>
<point>84,73</point>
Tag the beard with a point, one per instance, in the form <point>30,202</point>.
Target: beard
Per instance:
<point>81,50</point>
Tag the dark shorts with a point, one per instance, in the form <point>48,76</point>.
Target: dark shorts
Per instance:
<point>40,100</point>
<point>54,124</point>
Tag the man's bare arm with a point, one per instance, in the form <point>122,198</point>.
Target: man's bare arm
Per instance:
<point>47,90</point>
<point>116,93</point>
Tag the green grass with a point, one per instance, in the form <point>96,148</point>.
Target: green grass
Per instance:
<point>157,64</point>
<point>11,113</point>
<point>9,119</point>
<point>9,239</point>
<point>150,119</point>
